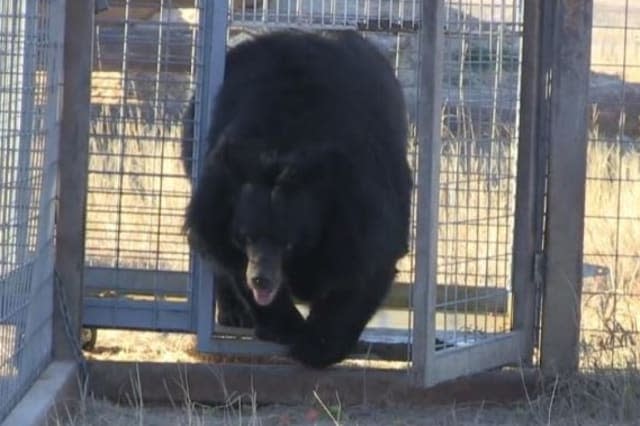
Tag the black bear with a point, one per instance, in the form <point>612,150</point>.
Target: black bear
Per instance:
<point>305,189</point>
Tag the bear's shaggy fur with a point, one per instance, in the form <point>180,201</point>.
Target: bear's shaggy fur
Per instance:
<point>305,189</point>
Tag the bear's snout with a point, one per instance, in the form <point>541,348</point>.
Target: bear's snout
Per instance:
<point>261,283</point>
<point>264,271</point>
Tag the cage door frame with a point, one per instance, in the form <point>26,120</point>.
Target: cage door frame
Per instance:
<point>213,42</point>
<point>430,367</point>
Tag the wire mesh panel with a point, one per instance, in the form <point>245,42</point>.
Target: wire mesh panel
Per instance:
<point>30,49</point>
<point>137,259</point>
<point>365,14</point>
<point>478,169</point>
<point>611,279</point>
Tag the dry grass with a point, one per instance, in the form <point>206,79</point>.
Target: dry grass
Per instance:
<point>7,351</point>
<point>137,194</point>
<point>477,190</point>
<point>612,225</point>
<point>602,398</point>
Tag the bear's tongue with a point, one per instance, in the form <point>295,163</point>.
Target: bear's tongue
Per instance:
<point>262,297</point>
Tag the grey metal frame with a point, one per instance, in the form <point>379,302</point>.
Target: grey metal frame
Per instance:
<point>430,366</point>
<point>28,193</point>
<point>530,197</point>
<point>214,22</point>
<point>428,130</point>
<point>110,292</point>
<point>214,36</point>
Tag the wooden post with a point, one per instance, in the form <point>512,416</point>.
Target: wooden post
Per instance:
<point>73,164</point>
<point>431,40</point>
<point>568,115</point>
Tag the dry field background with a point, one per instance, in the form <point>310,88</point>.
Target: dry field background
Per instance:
<point>614,49</point>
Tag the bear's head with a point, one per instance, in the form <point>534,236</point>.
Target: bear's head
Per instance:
<point>272,225</point>
<point>282,207</point>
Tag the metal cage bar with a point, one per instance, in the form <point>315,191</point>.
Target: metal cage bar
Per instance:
<point>529,202</point>
<point>429,146</point>
<point>72,174</point>
<point>211,76</point>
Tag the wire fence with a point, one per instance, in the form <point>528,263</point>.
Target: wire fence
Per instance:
<point>611,287</point>
<point>372,15</point>
<point>30,48</point>
<point>143,76</point>
<point>483,41</point>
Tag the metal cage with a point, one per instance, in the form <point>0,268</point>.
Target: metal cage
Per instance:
<point>497,148</point>
<point>150,56</point>
<point>30,81</point>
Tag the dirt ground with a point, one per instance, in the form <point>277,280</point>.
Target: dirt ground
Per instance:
<point>605,400</point>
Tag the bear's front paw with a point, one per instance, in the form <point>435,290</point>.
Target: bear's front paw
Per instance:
<point>319,351</point>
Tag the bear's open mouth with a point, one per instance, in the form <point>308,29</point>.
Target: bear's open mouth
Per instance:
<point>262,296</point>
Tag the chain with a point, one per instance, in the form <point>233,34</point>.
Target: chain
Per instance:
<point>74,342</point>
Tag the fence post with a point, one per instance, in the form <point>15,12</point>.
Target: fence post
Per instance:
<point>73,165</point>
<point>568,79</point>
